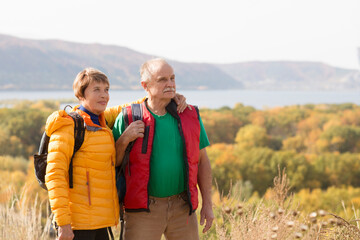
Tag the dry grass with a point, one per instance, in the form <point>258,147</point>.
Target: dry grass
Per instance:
<point>279,218</point>
<point>273,217</point>
<point>21,220</point>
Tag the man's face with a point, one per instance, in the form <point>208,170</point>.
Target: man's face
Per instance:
<point>162,84</point>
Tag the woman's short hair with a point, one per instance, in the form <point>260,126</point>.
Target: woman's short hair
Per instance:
<point>85,77</point>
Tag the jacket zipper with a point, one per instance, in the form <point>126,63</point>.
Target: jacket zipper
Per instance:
<point>88,186</point>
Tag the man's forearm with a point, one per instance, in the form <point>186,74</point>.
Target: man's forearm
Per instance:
<point>205,177</point>
<point>121,145</point>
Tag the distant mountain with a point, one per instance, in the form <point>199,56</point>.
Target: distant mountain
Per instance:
<point>52,64</point>
<point>292,76</point>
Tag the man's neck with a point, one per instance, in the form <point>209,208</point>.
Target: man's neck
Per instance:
<point>157,106</point>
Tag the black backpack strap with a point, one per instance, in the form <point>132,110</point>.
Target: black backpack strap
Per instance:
<point>79,134</point>
<point>136,114</point>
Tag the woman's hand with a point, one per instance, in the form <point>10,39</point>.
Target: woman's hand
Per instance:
<point>65,232</point>
<point>181,103</point>
<point>133,131</point>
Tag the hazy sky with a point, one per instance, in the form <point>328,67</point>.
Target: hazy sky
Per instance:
<point>198,30</point>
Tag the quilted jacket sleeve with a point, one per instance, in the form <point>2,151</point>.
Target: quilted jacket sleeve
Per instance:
<point>57,178</point>
<point>111,113</point>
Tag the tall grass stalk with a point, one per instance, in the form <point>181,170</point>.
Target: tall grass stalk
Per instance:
<point>279,218</point>
<point>19,219</point>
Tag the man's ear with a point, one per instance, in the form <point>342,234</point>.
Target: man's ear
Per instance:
<point>144,85</point>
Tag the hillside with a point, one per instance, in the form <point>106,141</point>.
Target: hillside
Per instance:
<point>52,64</point>
<point>288,75</point>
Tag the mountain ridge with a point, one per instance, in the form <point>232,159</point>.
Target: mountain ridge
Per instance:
<point>27,64</point>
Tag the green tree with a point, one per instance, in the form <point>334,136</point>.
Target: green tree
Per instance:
<point>221,126</point>
<point>251,136</point>
<point>340,139</point>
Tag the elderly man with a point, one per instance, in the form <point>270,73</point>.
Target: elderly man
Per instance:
<point>167,161</point>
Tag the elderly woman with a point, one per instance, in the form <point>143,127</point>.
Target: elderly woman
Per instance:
<point>91,206</point>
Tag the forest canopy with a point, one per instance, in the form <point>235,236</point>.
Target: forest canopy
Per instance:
<point>317,144</point>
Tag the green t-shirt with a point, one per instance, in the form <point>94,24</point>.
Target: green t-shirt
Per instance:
<point>167,169</point>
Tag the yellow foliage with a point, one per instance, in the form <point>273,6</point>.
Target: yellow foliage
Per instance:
<point>331,123</point>
<point>251,136</point>
<point>294,143</point>
<point>258,118</point>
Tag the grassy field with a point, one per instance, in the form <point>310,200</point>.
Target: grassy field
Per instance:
<point>25,215</point>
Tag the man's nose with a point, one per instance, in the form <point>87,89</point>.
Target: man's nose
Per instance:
<point>171,82</point>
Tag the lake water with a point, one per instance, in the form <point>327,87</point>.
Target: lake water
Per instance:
<point>211,98</point>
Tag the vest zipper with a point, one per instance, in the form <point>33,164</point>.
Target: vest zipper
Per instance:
<point>148,183</point>
<point>186,162</point>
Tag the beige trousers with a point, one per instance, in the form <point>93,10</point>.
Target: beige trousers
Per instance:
<point>168,216</point>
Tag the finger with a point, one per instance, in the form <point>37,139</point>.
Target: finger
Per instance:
<point>207,225</point>
<point>179,108</point>
<point>182,107</point>
<point>202,219</point>
<point>139,123</point>
<point>177,100</point>
<point>141,130</point>
<point>189,107</point>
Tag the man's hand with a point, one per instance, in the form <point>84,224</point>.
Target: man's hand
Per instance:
<point>133,131</point>
<point>181,103</point>
<point>65,232</point>
<point>206,214</point>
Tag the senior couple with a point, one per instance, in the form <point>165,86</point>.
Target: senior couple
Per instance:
<point>167,162</point>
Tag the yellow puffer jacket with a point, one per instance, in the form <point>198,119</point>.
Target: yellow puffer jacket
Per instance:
<point>93,202</point>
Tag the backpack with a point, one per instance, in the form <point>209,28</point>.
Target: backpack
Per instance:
<point>136,112</point>
<point>40,159</point>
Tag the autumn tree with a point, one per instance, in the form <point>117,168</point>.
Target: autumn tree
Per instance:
<point>251,136</point>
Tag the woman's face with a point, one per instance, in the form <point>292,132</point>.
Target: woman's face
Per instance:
<point>96,97</point>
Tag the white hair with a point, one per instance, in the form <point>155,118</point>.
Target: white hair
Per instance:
<point>148,67</point>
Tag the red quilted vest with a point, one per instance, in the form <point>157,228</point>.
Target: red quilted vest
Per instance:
<point>137,172</point>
